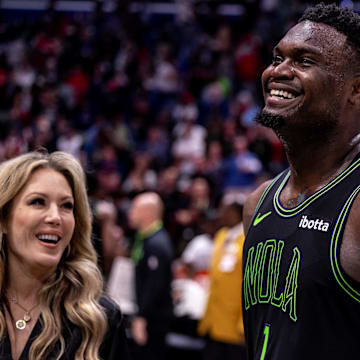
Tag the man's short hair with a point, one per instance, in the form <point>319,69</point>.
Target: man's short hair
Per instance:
<point>343,20</point>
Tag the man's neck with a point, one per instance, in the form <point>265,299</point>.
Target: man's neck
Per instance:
<point>150,227</point>
<point>315,165</point>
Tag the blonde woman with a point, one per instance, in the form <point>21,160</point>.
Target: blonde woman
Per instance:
<point>51,305</point>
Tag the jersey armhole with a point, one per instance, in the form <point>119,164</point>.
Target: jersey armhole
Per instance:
<point>263,196</point>
<point>341,277</point>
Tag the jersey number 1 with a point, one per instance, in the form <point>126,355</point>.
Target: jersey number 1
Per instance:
<point>266,339</point>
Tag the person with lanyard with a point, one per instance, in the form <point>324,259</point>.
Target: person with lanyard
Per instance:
<point>152,254</point>
<point>222,324</point>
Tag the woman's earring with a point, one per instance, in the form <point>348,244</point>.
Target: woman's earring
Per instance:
<point>68,250</point>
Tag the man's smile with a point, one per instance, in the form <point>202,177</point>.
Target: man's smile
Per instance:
<point>282,94</point>
<point>279,94</point>
<point>281,98</point>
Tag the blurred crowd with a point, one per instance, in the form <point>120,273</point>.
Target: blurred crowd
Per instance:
<point>147,102</point>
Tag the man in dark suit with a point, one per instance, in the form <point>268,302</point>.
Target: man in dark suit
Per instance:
<point>152,254</point>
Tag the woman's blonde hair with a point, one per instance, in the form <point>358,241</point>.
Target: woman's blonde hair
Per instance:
<point>77,284</point>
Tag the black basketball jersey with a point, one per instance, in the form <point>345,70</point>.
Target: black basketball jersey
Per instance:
<point>298,302</point>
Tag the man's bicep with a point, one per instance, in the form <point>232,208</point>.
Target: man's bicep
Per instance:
<point>350,246</point>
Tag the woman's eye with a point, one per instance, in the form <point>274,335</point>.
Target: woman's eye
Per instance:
<point>37,201</point>
<point>68,205</point>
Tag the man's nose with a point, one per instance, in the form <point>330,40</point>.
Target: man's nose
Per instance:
<point>284,69</point>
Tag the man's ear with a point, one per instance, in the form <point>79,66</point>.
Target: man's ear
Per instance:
<point>355,91</point>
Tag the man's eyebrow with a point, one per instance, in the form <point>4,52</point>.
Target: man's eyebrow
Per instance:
<point>300,50</point>
<point>307,49</point>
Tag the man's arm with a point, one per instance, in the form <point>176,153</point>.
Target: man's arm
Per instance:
<point>153,286</point>
<point>350,247</point>
<point>139,330</point>
<point>250,205</point>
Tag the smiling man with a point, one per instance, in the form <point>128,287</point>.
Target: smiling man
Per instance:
<point>301,265</point>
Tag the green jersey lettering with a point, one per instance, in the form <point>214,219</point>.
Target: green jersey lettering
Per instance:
<point>291,285</point>
<point>262,273</point>
<point>277,300</point>
<point>266,271</point>
<point>250,276</point>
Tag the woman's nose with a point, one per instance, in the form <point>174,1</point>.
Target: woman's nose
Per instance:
<point>53,214</point>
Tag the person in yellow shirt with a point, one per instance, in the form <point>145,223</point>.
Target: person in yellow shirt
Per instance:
<point>222,323</point>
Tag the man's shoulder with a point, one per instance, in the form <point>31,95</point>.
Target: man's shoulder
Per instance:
<point>251,203</point>
<point>159,236</point>
<point>160,241</point>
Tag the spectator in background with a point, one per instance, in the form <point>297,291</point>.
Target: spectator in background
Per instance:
<point>112,239</point>
<point>197,254</point>
<point>222,324</point>
<point>213,166</point>
<point>266,145</point>
<point>68,138</point>
<point>141,177</point>
<point>163,85</point>
<point>79,81</point>
<point>173,197</point>
<point>190,291</point>
<point>186,108</point>
<point>248,60</point>
<point>24,75</point>
<point>157,145</point>
<point>152,254</point>
<point>244,109</point>
<point>229,132</point>
<point>120,133</point>
<point>197,200</point>
<point>215,100</point>
<point>191,278</point>
<point>109,170</point>
<point>41,133</point>
<point>189,144</point>
<point>241,169</point>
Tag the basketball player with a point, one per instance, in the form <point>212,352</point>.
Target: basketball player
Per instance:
<point>301,265</point>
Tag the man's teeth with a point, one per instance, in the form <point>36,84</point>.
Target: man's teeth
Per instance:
<point>282,93</point>
<point>49,238</point>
